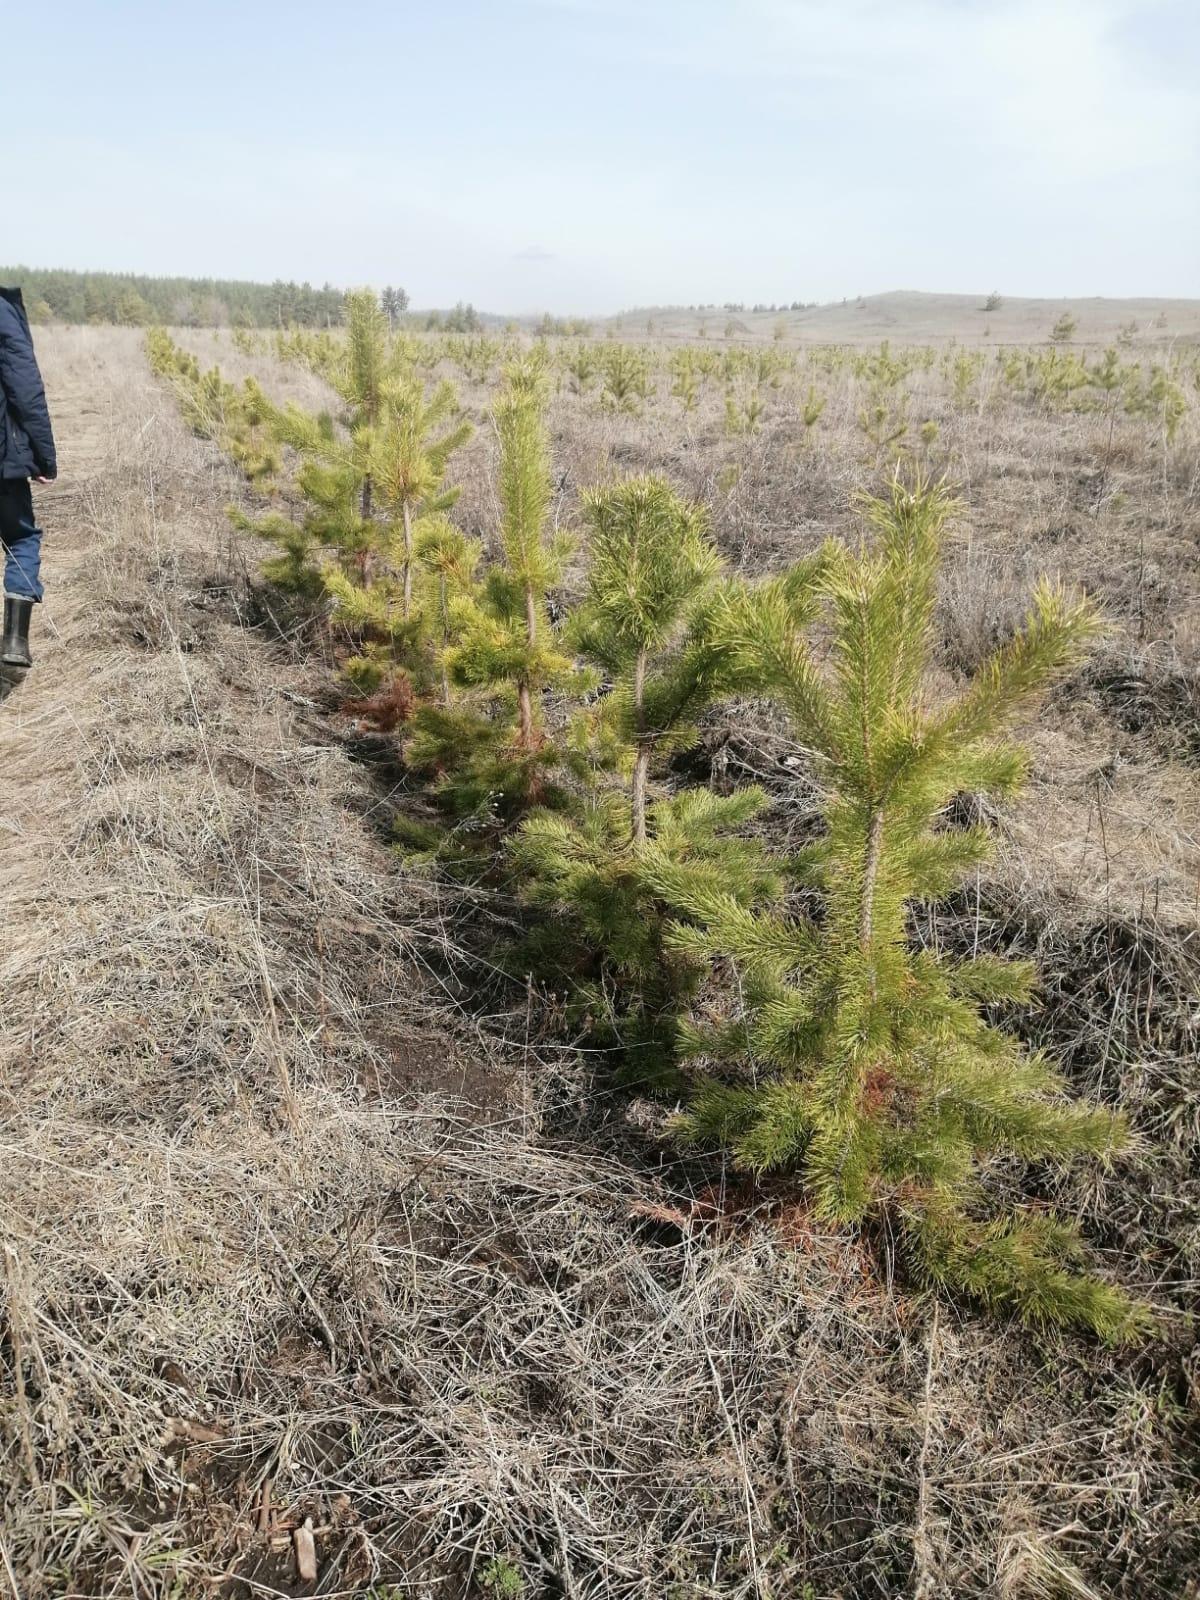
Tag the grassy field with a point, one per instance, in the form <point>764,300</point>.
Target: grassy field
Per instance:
<point>312,1217</point>
<point>911,317</point>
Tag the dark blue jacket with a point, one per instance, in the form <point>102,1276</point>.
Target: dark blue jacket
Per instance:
<point>26,439</point>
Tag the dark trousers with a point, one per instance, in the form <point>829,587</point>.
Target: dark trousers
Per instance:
<point>22,540</point>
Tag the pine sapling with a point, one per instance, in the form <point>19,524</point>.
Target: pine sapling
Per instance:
<point>414,437</point>
<point>360,376</point>
<point>847,1054</point>
<point>643,623</point>
<point>652,562</point>
<point>505,640</point>
<point>602,938</point>
<point>451,559</point>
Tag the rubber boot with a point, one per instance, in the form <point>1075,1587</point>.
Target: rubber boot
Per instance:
<point>14,651</point>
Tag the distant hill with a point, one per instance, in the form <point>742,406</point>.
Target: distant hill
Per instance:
<point>905,316</point>
<point>908,316</point>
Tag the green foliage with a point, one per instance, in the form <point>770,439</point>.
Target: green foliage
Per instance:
<point>360,377</point>
<point>1063,330</point>
<point>237,419</point>
<point>745,416</point>
<point>883,419</point>
<point>769,367</point>
<point>1108,375</point>
<point>450,559</point>
<point>626,373</point>
<point>884,369</point>
<point>642,622</point>
<point>408,452</point>
<point>563,327</point>
<point>966,367</point>
<point>1161,399</point>
<point>506,638</point>
<point>376,491</point>
<point>332,478</point>
<point>393,303</point>
<point>883,415</point>
<point>581,364</point>
<point>476,355</point>
<point>462,319</point>
<point>685,373</point>
<point>1054,377</point>
<point>812,410</point>
<point>827,1043</point>
<point>502,1579</point>
<point>480,775</point>
<point>652,563</point>
<point>866,1064</point>
<point>650,556</point>
<point>603,939</point>
<point>126,297</point>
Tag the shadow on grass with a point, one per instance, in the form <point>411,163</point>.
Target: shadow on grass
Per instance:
<point>11,678</point>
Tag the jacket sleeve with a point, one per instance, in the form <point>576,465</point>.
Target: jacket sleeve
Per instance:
<point>24,391</point>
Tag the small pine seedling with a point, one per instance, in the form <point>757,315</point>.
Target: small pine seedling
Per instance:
<point>864,1063</point>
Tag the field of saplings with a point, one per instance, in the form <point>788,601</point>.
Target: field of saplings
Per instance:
<point>712,658</point>
<point>782,767</point>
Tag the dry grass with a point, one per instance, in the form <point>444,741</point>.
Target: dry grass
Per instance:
<point>290,1232</point>
<point>912,317</point>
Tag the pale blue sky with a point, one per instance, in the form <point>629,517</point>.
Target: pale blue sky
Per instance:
<point>585,155</point>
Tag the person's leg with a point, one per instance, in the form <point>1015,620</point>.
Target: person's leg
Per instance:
<point>22,540</point>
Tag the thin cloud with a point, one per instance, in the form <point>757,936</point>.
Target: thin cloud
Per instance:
<point>1050,84</point>
<point>534,252</point>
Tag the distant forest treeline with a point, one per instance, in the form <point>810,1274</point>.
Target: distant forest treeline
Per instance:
<point>53,295</point>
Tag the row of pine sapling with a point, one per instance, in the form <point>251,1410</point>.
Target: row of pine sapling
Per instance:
<point>780,999</point>
<point>623,377</point>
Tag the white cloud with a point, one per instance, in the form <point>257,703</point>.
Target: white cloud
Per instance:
<point>1050,83</point>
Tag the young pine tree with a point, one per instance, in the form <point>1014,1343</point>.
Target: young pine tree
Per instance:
<point>362,373</point>
<point>652,562</point>
<point>653,566</point>
<point>602,939</point>
<point>498,640</point>
<point>334,478</point>
<point>508,640</point>
<point>407,458</point>
<point>644,624</point>
<point>861,1061</point>
<point>413,439</point>
<point>450,560</point>
<point>329,479</point>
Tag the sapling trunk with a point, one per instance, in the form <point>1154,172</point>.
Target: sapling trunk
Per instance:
<point>641,760</point>
<point>524,692</point>
<point>525,712</point>
<point>530,616</point>
<point>444,613</point>
<point>408,558</point>
<point>866,914</point>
